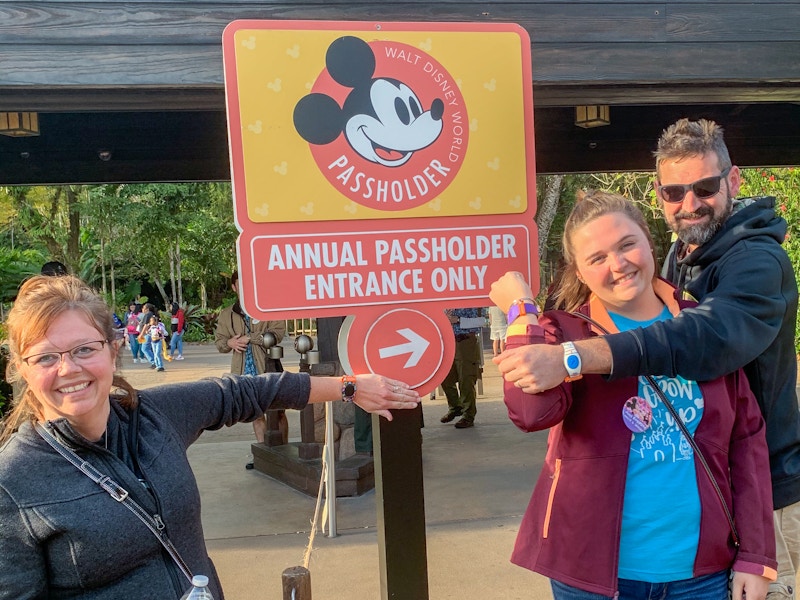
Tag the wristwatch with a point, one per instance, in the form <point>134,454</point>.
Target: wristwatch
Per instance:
<point>572,362</point>
<point>523,306</point>
<point>348,388</point>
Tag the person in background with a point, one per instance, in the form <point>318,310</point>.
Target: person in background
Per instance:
<point>729,257</point>
<point>243,336</point>
<point>617,463</point>
<point>54,268</point>
<point>148,310</point>
<point>459,383</point>
<point>177,326</point>
<point>64,536</point>
<point>156,333</point>
<point>498,326</point>
<point>132,331</point>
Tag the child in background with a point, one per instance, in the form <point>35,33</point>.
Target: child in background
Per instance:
<point>157,332</point>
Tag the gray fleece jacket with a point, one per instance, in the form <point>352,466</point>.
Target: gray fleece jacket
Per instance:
<point>62,536</point>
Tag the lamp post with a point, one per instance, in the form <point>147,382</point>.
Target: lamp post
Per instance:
<point>308,448</point>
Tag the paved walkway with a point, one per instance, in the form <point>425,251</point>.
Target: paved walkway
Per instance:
<point>477,484</point>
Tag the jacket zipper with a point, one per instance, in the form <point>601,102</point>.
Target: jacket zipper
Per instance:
<point>172,569</point>
<point>553,486</point>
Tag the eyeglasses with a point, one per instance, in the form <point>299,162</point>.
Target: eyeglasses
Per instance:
<point>702,188</point>
<point>81,353</point>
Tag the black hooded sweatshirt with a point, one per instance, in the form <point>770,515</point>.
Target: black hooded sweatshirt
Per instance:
<point>744,282</point>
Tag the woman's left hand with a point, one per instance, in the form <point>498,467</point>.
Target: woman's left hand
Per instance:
<point>749,587</point>
<point>379,394</point>
<point>510,287</point>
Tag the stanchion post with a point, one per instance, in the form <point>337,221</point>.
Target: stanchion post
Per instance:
<point>330,475</point>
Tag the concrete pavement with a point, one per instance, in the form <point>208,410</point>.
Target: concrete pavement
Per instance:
<point>477,484</point>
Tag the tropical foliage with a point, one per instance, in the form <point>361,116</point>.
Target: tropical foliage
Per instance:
<point>176,240</point>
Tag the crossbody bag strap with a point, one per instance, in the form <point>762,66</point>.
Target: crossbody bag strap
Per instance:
<point>120,494</point>
<point>686,434</point>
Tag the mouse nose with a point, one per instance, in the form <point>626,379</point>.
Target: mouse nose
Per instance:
<point>437,109</point>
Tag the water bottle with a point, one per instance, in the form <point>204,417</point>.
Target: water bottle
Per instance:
<point>199,589</point>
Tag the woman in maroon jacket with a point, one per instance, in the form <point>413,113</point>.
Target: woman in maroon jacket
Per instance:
<point>623,507</point>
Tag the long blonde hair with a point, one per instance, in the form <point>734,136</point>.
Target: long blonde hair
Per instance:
<point>40,301</point>
<point>592,204</point>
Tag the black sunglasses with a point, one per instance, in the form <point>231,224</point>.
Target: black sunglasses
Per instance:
<point>702,188</point>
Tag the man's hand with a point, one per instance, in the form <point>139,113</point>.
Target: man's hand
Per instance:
<point>749,587</point>
<point>238,343</point>
<point>533,368</point>
<point>539,367</point>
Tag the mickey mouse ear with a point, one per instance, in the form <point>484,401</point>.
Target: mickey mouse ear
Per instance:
<point>350,61</point>
<point>318,119</point>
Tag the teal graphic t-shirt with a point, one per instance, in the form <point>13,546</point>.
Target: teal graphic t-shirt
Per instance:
<point>661,509</point>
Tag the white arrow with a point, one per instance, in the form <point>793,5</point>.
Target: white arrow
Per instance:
<point>415,346</point>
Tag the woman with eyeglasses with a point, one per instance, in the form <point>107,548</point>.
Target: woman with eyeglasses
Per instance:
<point>62,535</point>
<point>624,507</point>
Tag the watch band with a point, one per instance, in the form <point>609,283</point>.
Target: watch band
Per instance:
<point>348,388</point>
<point>523,306</point>
<point>572,362</point>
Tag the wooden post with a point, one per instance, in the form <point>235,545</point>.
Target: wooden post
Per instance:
<point>400,505</point>
<point>296,583</point>
<point>276,428</point>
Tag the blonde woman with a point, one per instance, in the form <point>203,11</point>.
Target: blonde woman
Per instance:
<point>61,534</point>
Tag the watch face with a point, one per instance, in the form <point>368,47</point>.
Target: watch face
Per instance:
<point>573,362</point>
<point>349,390</point>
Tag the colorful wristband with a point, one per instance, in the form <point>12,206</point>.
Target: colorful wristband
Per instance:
<point>521,307</point>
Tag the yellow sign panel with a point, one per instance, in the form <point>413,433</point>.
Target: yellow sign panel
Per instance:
<point>336,124</point>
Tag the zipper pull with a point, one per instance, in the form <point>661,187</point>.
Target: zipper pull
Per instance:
<point>159,523</point>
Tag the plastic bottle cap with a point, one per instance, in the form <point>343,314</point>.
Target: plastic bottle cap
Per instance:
<point>200,581</point>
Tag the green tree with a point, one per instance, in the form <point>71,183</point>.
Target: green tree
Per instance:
<point>210,244</point>
<point>178,236</point>
<point>50,217</point>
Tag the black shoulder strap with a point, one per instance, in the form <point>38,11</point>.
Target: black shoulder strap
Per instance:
<point>153,522</point>
<point>133,443</point>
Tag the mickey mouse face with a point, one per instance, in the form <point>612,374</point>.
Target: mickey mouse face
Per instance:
<point>393,126</point>
<point>382,119</point>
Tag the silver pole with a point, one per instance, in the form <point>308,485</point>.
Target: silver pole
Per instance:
<point>330,477</point>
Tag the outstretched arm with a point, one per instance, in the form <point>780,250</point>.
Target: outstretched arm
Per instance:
<point>540,367</point>
<point>754,289</point>
<point>374,393</point>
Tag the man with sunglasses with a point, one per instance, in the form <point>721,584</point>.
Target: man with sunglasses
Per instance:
<point>728,256</point>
